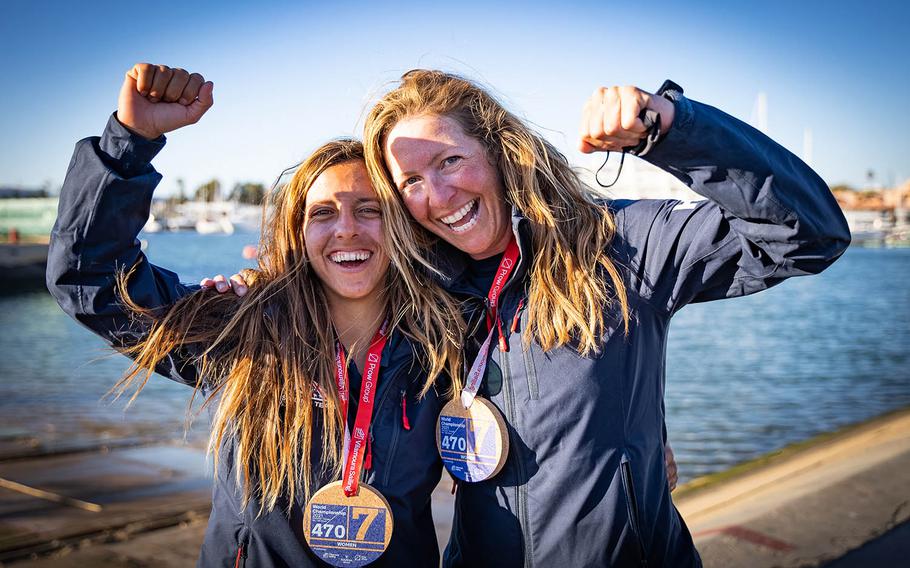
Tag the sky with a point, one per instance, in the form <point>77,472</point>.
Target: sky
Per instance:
<point>290,75</point>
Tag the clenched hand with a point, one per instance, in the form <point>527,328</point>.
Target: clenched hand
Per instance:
<point>155,99</point>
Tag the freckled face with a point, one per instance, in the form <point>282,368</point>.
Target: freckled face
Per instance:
<point>343,233</point>
<point>449,185</point>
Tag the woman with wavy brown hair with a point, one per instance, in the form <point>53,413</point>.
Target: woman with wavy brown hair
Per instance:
<point>327,369</point>
<point>569,296</point>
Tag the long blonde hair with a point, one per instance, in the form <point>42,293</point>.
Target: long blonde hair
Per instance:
<point>573,280</point>
<point>263,356</point>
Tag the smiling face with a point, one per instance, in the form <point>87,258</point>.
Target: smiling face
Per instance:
<point>448,184</point>
<point>343,233</point>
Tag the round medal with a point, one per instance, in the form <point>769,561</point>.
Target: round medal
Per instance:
<point>473,442</point>
<point>347,531</point>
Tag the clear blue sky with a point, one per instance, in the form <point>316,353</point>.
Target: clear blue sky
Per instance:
<point>289,75</point>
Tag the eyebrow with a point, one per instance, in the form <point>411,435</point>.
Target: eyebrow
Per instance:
<point>432,159</point>
<point>359,201</point>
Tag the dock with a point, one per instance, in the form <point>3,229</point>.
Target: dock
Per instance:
<point>23,266</point>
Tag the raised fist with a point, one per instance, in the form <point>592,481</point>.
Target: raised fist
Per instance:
<point>610,119</point>
<point>155,99</point>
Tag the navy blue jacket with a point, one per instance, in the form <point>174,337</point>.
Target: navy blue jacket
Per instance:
<point>585,481</point>
<point>104,203</point>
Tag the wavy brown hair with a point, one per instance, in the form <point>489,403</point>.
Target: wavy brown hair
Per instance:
<point>260,358</point>
<point>573,279</point>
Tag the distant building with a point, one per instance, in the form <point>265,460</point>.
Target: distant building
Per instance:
<point>898,197</point>
<point>21,192</point>
<point>27,217</point>
<point>877,215</point>
<point>874,199</point>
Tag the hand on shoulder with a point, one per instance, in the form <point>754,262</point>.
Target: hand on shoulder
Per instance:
<point>238,283</point>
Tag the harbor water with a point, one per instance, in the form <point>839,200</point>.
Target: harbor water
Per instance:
<point>744,376</point>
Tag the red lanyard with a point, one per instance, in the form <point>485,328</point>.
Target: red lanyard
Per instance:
<point>475,375</point>
<point>356,443</point>
<point>506,265</point>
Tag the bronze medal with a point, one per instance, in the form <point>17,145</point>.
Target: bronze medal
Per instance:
<point>471,433</point>
<point>347,531</point>
<point>473,442</point>
<point>348,523</point>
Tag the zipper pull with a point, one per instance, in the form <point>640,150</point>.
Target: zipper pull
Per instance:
<point>503,344</point>
<point>517,317</point>
<point>404,410</point>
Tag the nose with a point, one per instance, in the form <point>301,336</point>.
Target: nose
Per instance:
<point>440,194</point>
<point>346,225</point>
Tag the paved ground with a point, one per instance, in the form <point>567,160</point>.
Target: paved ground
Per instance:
<point>144,506</point>
<point>811,504</point>
<point>86,499</point>
<point>806,506</point>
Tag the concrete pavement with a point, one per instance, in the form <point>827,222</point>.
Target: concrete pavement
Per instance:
<point>808,504</point>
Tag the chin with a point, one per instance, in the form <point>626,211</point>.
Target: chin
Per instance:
<point>357,294</point>
<point>480,245</point>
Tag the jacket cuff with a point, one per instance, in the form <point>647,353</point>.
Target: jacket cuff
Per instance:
<point>131,154</point>
<point>677,136</point>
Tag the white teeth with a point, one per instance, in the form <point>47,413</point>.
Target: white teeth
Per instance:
<point>350,256</point>
<point>458,215</point>
<point>466,226</point>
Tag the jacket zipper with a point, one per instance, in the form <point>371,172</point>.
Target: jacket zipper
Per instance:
<point>404,410</point>
<point>382,399</point>
<point>520,489</point>
<point>240,562</point>
<point>396,432</point>
<point>632,504</point>
<point>530,368</point>
<point>240,559</point>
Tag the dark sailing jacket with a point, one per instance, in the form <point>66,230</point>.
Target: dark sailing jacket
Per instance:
<point>585,481</point>
<point>104,203</point>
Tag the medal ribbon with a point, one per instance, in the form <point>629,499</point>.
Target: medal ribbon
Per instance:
<point>475,375</point>
<point>356,442</point>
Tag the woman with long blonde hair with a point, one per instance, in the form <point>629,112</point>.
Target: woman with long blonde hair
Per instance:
<point>327,369</point>
<point>569,295</point>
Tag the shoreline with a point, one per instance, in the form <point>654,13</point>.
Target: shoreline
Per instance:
<point>695,486</point>
<point>802,505</point>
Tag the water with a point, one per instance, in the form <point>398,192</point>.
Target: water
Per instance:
<point>54,373</point>
<point>744,376</point>
<point>750,375</point>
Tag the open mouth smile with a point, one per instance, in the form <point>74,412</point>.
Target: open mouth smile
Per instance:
<point>350,259</point>
<point>463,219</point>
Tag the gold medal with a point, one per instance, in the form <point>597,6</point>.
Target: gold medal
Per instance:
<point>347,531</point>
<point>473,442</point>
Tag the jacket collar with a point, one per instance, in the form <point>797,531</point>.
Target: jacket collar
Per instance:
<point>397,352</point>
<point>394,367</point>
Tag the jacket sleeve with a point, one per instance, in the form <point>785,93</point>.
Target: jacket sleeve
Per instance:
<point>104,203</point>
<point>767,216</point>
